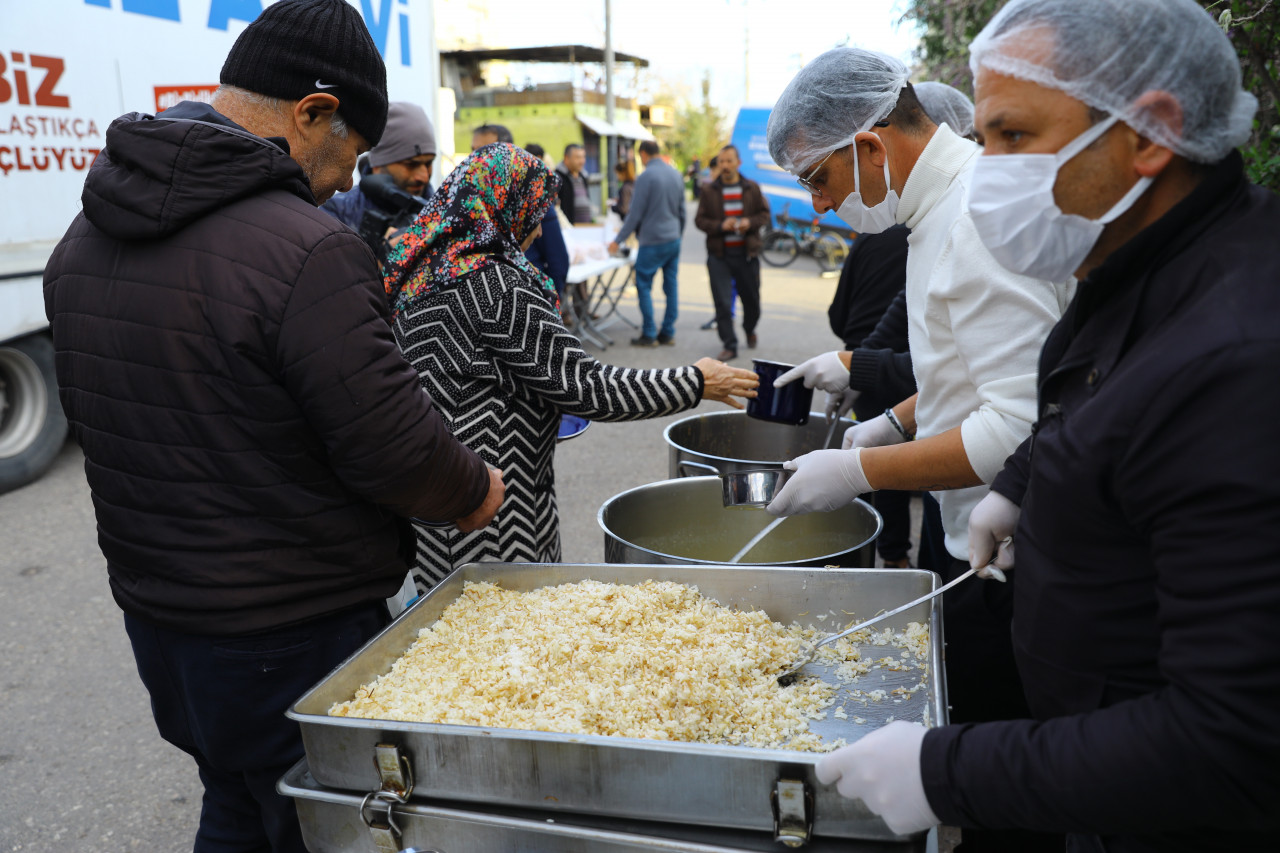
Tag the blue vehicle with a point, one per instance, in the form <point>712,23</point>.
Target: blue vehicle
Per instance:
<point>778,186</point>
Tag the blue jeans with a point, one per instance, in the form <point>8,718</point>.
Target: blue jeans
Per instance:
<point>650,259</point>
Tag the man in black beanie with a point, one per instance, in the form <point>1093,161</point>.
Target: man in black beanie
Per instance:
<point>253,438</point>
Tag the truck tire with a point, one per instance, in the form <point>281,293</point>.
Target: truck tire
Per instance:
<point>32,424</point>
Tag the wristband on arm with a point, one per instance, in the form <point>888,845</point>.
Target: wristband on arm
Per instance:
<point>896,424</point>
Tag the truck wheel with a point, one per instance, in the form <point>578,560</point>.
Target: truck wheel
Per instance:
<point>32,424</point>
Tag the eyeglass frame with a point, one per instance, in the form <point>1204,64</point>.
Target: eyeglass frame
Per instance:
<point>804,180</point>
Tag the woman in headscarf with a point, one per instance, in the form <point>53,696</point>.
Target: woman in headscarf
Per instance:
<point>482,326</point>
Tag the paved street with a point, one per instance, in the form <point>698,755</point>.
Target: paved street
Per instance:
<point>81,765</point>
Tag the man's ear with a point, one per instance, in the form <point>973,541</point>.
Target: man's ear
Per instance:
<point>871,148</point>
<point>1151,158</point>
<point>314,111</point>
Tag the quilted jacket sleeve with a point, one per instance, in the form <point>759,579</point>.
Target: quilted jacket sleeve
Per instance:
<point>340,362</point>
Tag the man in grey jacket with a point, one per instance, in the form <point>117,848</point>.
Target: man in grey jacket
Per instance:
<point>657,218</point>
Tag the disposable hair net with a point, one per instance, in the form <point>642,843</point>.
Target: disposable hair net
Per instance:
<point>943,103</point>
<point>842,92</point>
<point>1110,53</point>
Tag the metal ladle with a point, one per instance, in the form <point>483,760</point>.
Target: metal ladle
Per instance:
<point>789,677</point>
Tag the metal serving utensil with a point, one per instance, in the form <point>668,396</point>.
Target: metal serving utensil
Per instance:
<point>789,677</point>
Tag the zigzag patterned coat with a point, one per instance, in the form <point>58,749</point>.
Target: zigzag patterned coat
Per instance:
<point>501,367</point>
<point>481,326</point>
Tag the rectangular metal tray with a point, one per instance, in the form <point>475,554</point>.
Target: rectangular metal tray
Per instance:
<point>331,823</point>
<point>683,783</point>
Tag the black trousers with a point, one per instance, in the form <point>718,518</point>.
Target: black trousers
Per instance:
<point>895,537</point>
<point>983,684</point>
<point>735,266</point>
<point>222,701</point>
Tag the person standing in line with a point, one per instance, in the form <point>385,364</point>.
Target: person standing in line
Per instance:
<point>732,212</point>
<point>626,172</point>
<point>575,197</point>
<point>657,218</point>
<point>481,325</point>
<point>487,134</point>
<point>254,441</point>
<point>406,152</point>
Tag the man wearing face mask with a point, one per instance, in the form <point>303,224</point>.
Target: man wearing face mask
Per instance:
<point>1147,505</point>
<point>853,131</point>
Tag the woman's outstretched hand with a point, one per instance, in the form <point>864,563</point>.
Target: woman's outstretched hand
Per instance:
<point>723,383</point>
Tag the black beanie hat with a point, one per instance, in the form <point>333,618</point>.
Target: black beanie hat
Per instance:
<point>296,48</point>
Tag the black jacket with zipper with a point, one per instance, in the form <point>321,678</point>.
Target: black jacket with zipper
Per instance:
<point>1147,608</point>
<point>250,429</point>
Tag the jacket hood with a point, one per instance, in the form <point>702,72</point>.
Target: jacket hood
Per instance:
<point>158,174</point>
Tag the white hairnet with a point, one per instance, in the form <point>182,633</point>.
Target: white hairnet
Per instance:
<point>944,103</point>
<point>835,96</point>
<point>1109,53</point>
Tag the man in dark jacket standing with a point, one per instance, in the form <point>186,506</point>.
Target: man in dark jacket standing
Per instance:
<point>253,438</point>
<point>1146,505</point>
<point>405,154</point>
<point>732,212</point>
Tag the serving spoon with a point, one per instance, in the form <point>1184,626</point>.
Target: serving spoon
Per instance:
<point>789,677</point>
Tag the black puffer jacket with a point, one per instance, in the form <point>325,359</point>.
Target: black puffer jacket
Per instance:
<point>250,429</point>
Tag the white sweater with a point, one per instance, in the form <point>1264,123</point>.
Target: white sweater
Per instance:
<point>975,329</point>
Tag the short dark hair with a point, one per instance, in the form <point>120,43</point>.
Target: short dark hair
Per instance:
<point>908,114</point>
<point>497,130</point>
<point>649,147</point>
<point>568,149</point>
<point>733,148</point>
<point>536,150</point>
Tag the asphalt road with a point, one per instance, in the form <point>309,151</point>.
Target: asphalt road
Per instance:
<point>81,765</point>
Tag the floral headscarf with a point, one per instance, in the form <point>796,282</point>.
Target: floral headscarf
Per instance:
<point>482,213</point>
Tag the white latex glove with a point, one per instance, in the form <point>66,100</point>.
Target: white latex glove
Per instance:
<point>826,372</point>
<point>877,432</point>
<point>991,527</point>
<point>823,480</point>
<point>839,405</point>
<point>883,770</point>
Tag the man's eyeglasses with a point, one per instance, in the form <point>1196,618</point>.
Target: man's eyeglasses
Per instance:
<point>806,181</point>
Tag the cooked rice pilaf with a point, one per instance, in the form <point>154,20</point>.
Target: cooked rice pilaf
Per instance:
<point>655,660</point>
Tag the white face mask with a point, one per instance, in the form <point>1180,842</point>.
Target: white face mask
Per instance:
<point>863,219</point>
<point>1012,206</point>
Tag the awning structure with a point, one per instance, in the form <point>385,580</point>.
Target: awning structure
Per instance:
<point>633,130</point>
<point>597,125</point>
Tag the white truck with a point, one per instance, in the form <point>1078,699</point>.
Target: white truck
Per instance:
<point>67,69</point>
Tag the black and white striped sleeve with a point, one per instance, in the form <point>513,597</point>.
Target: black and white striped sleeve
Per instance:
<point>537,355</point>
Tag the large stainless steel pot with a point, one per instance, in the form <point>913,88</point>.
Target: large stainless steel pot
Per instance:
<point>685,521</point>
<point>721,442</point>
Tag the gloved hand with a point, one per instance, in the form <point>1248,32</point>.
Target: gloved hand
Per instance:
<point>883,770</point>
<point>826,372</point>
<point>823,480</point>
<point>877,432</point>
<point>991,527</point>
<point>839,405</point>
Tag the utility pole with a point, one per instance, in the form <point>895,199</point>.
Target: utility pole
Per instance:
<point>611,159</point>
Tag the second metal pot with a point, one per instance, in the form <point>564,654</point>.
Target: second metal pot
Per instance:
<point>722,442</point>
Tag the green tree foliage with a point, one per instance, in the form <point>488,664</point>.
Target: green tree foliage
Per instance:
<point>948,26</point>
<point>700,129</point>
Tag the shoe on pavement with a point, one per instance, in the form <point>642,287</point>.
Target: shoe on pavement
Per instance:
<point>727,354</point>
<point>667,340</point>
<point>709,325</point>
<point>751,341</point>
<point>644,341</point>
